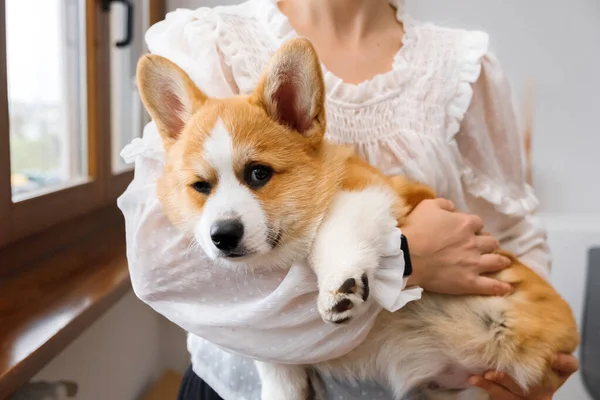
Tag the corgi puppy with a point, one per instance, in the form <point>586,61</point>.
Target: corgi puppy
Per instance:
<point>255,183</point>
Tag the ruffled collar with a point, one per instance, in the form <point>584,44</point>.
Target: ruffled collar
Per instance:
<point>372,90</point>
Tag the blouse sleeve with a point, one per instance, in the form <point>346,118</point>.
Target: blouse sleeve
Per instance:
<point>491,147</point>
<point>189,39</point>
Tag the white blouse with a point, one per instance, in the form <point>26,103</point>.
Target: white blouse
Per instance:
<point>442,115</point>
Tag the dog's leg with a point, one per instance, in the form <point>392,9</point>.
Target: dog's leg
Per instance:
<point>347,250</point>
<point>283,382</point>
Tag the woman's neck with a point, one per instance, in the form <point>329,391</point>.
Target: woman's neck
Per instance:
<point>344,20</point>
<point>355,39</point>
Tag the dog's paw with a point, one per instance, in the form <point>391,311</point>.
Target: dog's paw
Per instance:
<point>339,303</point>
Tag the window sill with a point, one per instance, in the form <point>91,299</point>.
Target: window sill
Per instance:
<point>45,305</point>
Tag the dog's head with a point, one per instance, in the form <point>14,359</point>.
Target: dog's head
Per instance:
<point>246,175</point>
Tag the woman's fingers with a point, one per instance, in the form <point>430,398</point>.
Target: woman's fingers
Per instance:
<point>492,263</point>
<point>476,223</point>
<point>486,244</point>
<point>495,391</point>
<point>444,204</point>
<point>488,286</point>
<point>565,365</point>
<point>505,381</point>
<point>488,262</point>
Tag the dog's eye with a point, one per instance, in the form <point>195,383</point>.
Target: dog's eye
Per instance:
<point>257,176</point>
<point>201,187</point>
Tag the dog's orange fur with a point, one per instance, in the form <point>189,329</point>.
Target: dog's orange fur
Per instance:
<point>308,173</point>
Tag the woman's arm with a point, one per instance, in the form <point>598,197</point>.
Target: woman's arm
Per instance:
<point>494,177</point>
<point>495,181</point>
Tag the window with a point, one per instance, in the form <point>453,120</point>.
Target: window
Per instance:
<point>68,105</point>
<point>46,95</point>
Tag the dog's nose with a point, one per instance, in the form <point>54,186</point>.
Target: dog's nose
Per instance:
<point>227,234</point>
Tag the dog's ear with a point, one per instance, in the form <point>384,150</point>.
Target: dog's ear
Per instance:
<point>169,95</point>
<point>292,91</point>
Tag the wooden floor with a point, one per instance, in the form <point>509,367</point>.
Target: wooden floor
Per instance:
<point>166,387</point>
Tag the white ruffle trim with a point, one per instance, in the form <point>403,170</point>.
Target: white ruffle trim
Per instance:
<point>148,146</point>
<point>476,45</point>
<point>499,195</point>
<point>389,286</point>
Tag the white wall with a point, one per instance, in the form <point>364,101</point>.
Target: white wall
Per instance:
<point>556,44</point>
<point>121,354</point>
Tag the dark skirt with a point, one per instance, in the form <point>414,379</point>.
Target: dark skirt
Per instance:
<point>194,388</point>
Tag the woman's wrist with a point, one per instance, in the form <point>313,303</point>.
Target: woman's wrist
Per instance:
<point>415,279</point>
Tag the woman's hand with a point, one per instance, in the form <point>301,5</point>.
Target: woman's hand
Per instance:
<point>449,253</point>
<point>502,387</point>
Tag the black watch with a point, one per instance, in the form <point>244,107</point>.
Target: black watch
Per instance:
<point>406,253</point>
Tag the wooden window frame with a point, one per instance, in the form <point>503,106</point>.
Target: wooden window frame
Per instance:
<point>21,219</point>
<point>5,186</point>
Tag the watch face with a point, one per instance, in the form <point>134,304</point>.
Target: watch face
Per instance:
<point>405,252</point>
